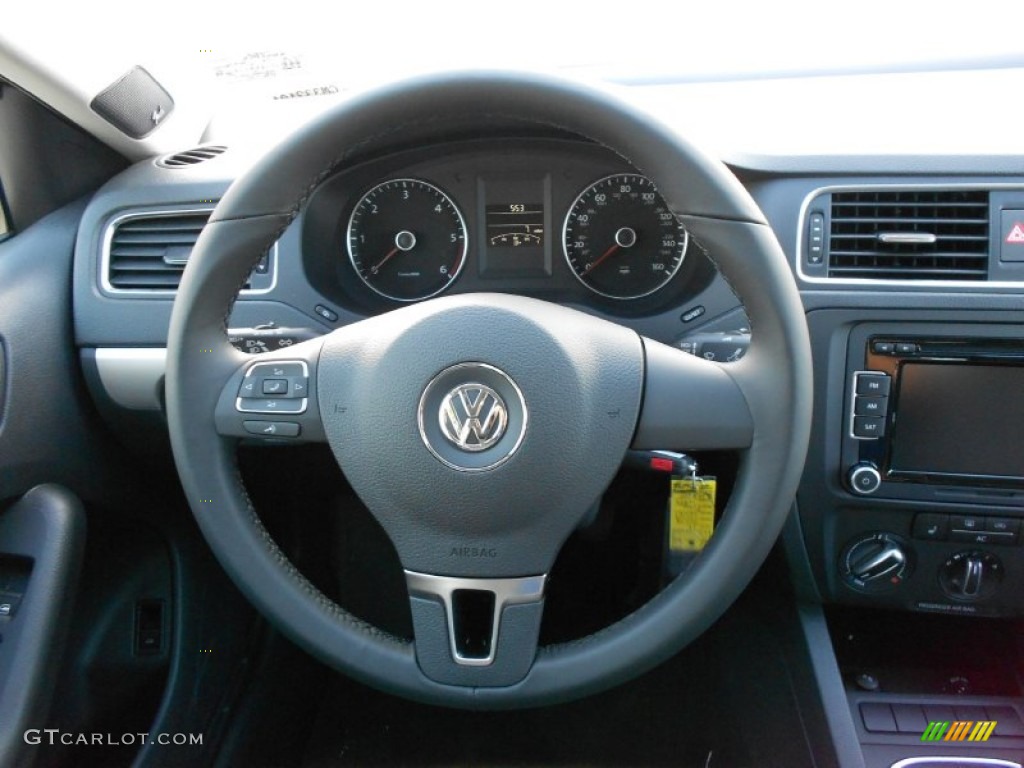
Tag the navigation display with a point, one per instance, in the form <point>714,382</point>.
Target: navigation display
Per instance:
<point>958,419</point>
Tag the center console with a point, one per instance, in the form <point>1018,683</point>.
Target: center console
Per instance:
<point>929,447</point>
<point>912,517</point>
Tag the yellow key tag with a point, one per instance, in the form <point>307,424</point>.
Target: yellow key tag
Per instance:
<point>692,513</point>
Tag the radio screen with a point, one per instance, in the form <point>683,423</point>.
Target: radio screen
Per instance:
<point>959,420</point>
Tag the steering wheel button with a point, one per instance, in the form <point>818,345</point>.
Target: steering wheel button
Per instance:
<point>277,370</point>
<point>272,428</point>
<point>270,405</point>
<point>275,386</point>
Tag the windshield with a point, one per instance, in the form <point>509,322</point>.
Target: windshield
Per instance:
<point>247,73</point>
<point>213,46</point>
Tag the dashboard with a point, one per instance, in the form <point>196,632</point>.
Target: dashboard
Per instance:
<point>900,273</point>
<point>909,269</point>
<point>552,218</point>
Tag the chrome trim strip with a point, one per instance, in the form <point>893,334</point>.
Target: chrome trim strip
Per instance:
<point>145,213</point>
<point>132,376</point>
<point>800,252</point>
<point>964,760</point>
<point>529,589</point>
<point>907,238</point>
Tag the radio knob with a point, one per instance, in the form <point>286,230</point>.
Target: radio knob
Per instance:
<point>864,478</point>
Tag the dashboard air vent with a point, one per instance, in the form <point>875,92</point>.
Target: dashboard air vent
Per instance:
<point>191,156</point>
<point>149,251</point>
<point>909,235</point>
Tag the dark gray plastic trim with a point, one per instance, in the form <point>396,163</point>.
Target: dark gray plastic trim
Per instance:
<point>706,412</point>
<point>830,687</point>
<point>47,525</point>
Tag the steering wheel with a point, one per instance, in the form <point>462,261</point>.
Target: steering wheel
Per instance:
<point>479,429</point>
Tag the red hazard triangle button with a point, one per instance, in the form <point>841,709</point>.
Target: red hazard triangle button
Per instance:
<point>1011,249</point>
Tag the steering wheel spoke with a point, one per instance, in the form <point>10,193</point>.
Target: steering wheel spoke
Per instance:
<point>690,404</point>
<point>473,631</point>
<point>272,398</point>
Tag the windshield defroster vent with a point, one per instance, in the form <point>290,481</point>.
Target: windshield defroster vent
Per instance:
<point>909,235</point>
<point>149,251</point>
<point>191,156</point>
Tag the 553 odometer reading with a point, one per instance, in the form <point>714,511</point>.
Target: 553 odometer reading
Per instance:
<point>407,239</point>
<point>620,238</point>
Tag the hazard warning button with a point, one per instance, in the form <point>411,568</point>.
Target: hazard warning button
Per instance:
<point>1012,237</point>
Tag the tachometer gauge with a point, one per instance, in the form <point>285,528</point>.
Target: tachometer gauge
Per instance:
<point>620,238</point>
<point>407,239</point>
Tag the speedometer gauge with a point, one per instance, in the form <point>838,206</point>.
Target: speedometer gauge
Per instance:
<point>407,239</point>
<point>620,238</point>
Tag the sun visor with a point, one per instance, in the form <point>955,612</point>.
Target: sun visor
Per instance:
<point>135,104</point>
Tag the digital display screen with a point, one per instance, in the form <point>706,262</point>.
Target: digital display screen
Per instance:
<point>959,419</point>
<point>515,225</point>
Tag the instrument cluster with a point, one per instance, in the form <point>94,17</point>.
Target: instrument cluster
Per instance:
<point>559,220</point>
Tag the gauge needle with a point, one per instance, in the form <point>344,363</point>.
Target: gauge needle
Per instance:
<point>604,256</point>
<point>376,267</point>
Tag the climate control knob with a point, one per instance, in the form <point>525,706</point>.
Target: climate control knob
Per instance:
<point>864,478</point>
<point>971,576</point>
<point>876,562</point>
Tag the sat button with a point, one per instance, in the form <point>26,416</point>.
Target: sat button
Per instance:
<point>868,426</point>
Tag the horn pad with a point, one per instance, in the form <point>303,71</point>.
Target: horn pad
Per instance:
<point>479,429</point>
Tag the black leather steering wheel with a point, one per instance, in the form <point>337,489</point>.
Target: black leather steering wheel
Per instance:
<point>481,513</point>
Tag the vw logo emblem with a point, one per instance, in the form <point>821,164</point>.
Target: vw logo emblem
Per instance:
<point>473,417</point>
